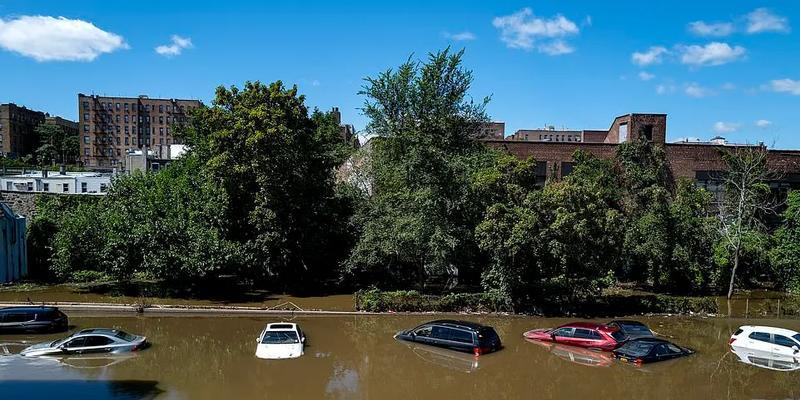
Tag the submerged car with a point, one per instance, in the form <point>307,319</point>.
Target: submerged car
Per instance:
<point>590,335</point>
<point>32,319</point>
<point>456,335</point>
<point>280,341</point>
<point>89,341</point>
<point>649,350</point>
<point>766,340</point>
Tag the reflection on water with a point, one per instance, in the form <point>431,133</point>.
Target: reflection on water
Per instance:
<point>351,357</point>
<point>85,390</point>
<point>768,360</point>
<point>577,355</point>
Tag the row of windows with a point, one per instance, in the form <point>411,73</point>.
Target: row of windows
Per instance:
<point>64,188</point>
<point>119,119</point>
<point>133,106</point>
<point>110,140</point>
<point>127,130</point>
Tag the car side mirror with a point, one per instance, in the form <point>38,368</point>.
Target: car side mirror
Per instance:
<point>796,349</point>
<point>303,339</point>
<point>258,340</point>
<point>62,348</point>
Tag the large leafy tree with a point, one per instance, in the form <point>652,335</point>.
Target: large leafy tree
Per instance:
<point>785,255</point>
<point>275,163</point>
<point>420,218</point>
<point>56,145</point>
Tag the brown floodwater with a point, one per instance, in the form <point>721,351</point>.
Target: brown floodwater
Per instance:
<point>355,357</point>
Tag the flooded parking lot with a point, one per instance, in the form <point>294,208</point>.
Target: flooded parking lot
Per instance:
<point>355,357</point>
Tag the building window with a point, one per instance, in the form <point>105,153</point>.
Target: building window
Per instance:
<point>46,187</point>
<point>126,119</point>
<point>65,188</point>
<point>623,133</point>
<point>86,139</point>
<point>30,186</point>
<point>161,131</point>
<point>84,187</point>
<point>86,151</point>
<point>161,108</point>
<point>103,188</point>
<point>85,128</point>
<point>85,116</point>
<point>147,118</point>
<point>117,141</point>
<point>126,129</point>
<point>147,107</point>
<point>161,141</point>
<point>647,132</point>
<point>160,119</point>
<point>126,141</point>
<point>85,105</point>
<point>126,107</point>
<point>8,185</point>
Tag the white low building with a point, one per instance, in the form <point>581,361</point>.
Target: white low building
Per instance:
<point>57,182</point>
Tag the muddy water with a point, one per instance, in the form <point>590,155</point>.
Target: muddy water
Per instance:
<point>355,357</point>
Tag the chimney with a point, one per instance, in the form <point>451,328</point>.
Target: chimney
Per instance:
<point>62,169</point>
<point>337,115</point>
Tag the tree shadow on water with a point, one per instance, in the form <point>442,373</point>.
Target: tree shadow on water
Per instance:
<point>80,389</point>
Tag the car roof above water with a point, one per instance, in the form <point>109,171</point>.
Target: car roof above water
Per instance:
<point>768,329</point>
<point>282,326</point>
<point>28,309</point>
<point>458,324</point>
<point>98,331</point>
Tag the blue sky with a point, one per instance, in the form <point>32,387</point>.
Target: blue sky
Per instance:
<point>716,67</point>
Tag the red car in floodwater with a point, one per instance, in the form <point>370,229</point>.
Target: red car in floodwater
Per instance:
<point>582,334</point>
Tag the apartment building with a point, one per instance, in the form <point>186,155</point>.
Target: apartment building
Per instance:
<point>17,125</point>
<point>111,126</point>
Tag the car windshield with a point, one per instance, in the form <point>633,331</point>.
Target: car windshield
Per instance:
<point>637,348</point>
<point>618,335</point>
<point>59,342</point>
<point>280,337</point>
<point>636,329</point>
<point>125,336</point>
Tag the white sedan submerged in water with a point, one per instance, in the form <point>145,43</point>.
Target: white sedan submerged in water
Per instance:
<point>280,341</point>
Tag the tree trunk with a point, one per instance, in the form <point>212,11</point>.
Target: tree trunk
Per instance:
<point>733,273</point>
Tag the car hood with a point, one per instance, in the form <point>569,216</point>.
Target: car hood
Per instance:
<point>39,347</point>
<point>279,351</point>
<point>537,333</point>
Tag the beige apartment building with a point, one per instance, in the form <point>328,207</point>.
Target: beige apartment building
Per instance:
<point>111,126</point>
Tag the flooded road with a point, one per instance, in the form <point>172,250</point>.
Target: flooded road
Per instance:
<point>355,357</point>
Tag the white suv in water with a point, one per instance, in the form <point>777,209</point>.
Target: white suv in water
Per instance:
<point>279,341</point>
<point>766,341</point>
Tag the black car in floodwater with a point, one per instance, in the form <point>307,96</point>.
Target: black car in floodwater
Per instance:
<point>32,319</point>
<point>649,350</point>
<point>456,335</point>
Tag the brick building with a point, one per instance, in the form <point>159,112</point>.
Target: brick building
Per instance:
<point>70,127</point>
<point>17,125</point>
<point>346,131</point>
<point>701,161</point>
<point>111,126</point>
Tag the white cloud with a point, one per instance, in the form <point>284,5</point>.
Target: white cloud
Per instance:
<point>717,29</point>
<point>45,38</point>
<point>763,123</point>
<point>728,86</point>
<point>460,37</point>
<point>665,88</point>
<point>646,76</point>
<point>695,90</point>
<point>726,127</point>
<point>523,30</point>
<point>714,53</point>
<point>790,86</point>
<point>653,55</point>
<point>175,48</point>
<point>763,20</point>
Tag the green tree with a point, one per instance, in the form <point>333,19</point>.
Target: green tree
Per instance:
<point>785,255</point>
<point>56,145</point>
<point>421,216</point>
<point>275,163</point>
<point>746,198</point>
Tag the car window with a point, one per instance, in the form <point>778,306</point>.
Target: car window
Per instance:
<point>781,340</point>
<point>77,342</point>
<point>636,348</point>
<point>797,337</point>
<point>18,317</point>
<point>674,349</point>
<point>581,333</point>
<point>438,332</point>
<point>564,332</point>
<point>460,336</point>
<point>760,336</point>
<point>280,337</point>
<point>424,331</point>
<point>125,336</point>
<point>618,335</point>
<point>487,335</point>
<point>97,341</point>
<point>738,332</point>
<point>662,350</point>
